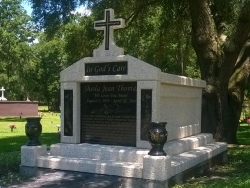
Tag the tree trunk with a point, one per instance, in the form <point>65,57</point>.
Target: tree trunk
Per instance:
<point>238,84</point>
<point>208,113</point>
<point>222,102</point>
<point>205,45</point>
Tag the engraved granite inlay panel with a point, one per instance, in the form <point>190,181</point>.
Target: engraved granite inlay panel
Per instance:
<point>68,112</point>
<point>146,112</point>
<point>108,68</point>
<point>108,113</point>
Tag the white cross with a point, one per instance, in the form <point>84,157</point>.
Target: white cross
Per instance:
<point>108,25</point>
<point>2,97</point>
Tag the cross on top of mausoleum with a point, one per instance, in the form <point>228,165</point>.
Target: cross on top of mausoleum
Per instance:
<point>108,25</point>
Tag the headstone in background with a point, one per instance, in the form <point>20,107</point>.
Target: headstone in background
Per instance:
<point>2,98</point>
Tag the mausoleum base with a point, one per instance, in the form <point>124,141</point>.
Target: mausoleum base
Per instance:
<point>107,181</point>
<point>197,151</point>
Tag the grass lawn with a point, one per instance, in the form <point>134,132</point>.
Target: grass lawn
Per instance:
<point>11,142</point>
<point>236,173</point>
<point>243,135</point>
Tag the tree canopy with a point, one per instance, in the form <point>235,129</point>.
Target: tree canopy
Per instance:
<point>198,38</point>
<point>16,32</point>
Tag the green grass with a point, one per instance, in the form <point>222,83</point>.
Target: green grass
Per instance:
<point>243,135</point>
<point>11,142</point>
<point>236,173</point>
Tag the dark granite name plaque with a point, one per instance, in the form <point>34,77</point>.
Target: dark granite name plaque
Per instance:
<point>109,68</point>
<point>68,112</point>
<point>108,113</point>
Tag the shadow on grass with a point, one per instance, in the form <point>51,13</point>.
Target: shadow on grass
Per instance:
<point>47,111</point>
<point>14,143</point>
<point>243,135</point>
<point>12,119</point>
<point>235,171</point>
<point>72,179</point>
<point>10,150</point>
<point>9,161</point>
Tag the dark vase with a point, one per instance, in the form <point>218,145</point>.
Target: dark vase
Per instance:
<point>33,130</point>
<point>157,136</point>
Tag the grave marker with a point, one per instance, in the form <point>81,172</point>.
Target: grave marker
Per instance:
<point>108,113</point>
<point>2,98</point>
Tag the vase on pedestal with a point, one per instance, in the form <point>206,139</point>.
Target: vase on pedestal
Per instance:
<point>157,136</point>
<point>33,130</point>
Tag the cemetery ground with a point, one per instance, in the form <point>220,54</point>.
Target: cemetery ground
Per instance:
<point>11,142</point>
<point>236,173</point>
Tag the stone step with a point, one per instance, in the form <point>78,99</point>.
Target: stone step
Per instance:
<point>179,163</point>
<point>123,169</point>
<point>99,152</point>
<point>126,154</point>
<point>179,146</point>
<point>186,160</point>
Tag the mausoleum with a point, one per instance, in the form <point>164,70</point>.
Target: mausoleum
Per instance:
<point>108,101</point>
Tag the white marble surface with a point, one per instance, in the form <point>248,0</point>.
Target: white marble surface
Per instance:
<point>124,169</point>
<point>125,161</point>
<point>137,70</point>
<point>128,154</point>
<point>175,147</point>
<point>75,87</point>
<point>182,80</point>
<point>180,107</point>
<point>186,160</point>
<point>176,99</point>
<point>99,152</point>
<point>29,154</point>
<point>150,167</point>
<point>156,167</point>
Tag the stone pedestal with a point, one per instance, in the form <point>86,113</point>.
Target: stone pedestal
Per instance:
<point>29,154</point>
<point>156,167</point>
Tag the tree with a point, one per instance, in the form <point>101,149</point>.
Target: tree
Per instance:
<point>79,36</point>
<point>224,65</point>
<point>50,61</point>
<point>220,37</point>
<point>16,32</point>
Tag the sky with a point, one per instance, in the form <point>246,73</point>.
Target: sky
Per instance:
<point>27,7</point>
<point>81,9</point>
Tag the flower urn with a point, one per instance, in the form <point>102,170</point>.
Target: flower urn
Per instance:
<point>33,130</point>
<point>157,136</point>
